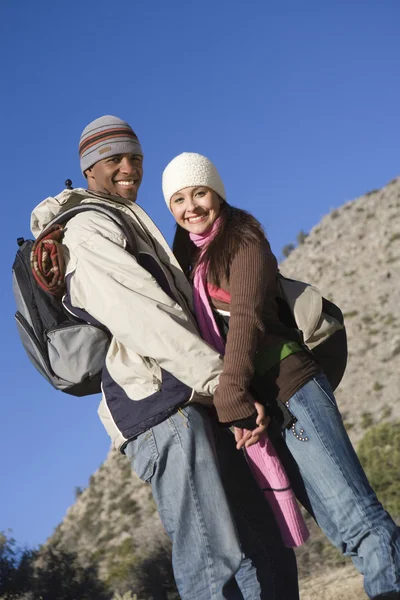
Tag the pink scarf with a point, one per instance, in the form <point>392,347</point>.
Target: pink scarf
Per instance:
<point>262,458</point>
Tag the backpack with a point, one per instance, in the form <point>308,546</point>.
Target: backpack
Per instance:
<point>68,350</point>
<point>319,323</point>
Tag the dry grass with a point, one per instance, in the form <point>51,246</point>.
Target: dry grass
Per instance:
<point>339,583</point>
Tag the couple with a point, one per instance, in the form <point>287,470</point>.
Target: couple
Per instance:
<point>168,398</point>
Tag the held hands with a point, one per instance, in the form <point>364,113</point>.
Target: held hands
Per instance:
<point>245,438</point>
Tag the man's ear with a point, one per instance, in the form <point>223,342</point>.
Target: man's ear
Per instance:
<point>88,173</point>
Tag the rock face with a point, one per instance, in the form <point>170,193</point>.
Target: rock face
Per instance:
<point>353,256</point>
<point>114,522</point>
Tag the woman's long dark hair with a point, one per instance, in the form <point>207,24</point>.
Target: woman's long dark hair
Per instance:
<point>237,229</point>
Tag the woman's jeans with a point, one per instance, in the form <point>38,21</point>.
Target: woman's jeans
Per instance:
<point>220,549</point>
<point>343,502</point>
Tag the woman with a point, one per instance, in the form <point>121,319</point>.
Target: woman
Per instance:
<point>225,252</point>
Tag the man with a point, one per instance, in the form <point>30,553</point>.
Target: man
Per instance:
<point>159,378</point>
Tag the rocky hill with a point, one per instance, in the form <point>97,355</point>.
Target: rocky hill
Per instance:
<point>353,256</point>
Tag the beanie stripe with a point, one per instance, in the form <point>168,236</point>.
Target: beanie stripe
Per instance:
<point>105,135</point>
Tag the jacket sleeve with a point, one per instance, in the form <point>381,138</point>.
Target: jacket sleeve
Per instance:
<point>110,285</point>
<point>252,274</point>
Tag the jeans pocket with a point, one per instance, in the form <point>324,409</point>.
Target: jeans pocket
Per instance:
<point>325,389</point>
<point>143,455</point>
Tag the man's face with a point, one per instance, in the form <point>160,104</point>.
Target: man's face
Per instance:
<point>119,175</point>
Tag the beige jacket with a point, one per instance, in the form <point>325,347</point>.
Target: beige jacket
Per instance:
<point>150,331</point>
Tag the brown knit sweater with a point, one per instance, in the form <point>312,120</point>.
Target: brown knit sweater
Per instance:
<point>253,308</point>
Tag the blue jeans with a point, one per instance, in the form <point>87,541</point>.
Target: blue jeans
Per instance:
<point>342,500</point>
<point>220,549</point>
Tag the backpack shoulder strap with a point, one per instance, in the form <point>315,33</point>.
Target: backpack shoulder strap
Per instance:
<point>113,213</point>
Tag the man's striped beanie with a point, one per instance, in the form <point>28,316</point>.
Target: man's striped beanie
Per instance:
<point>106,137</point>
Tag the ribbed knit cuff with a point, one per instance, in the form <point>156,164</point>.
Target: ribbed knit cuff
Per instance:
<point>230,410</point>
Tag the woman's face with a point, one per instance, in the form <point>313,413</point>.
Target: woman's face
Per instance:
<point>196,208</point>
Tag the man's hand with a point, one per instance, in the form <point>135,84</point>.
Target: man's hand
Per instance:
<point>245,438</point>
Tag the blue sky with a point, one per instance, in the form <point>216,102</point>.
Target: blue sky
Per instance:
<point>297,103</point>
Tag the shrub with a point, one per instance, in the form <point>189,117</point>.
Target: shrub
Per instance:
<point>379,453</point>
<point>390,319</point>
<point>386,412</point>
<point>61,576</point>
<point>367,319</point>
<point>348,425</point>
<point>366,420</point>
<point>288,249</point>
<point>78,492</point>
<point>301,237</point>
<point>46,574</point>
<point>352,313</point>
<point>128,505</point>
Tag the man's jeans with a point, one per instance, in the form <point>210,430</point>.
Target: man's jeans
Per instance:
<point>343,502</point>
<point>219,549</point>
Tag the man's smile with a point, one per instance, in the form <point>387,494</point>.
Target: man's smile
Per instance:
<point>127,182</point>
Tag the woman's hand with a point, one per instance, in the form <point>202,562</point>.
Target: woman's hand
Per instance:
<point>245,438</point>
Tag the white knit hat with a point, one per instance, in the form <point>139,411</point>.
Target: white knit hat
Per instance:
<point>188,170</point>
